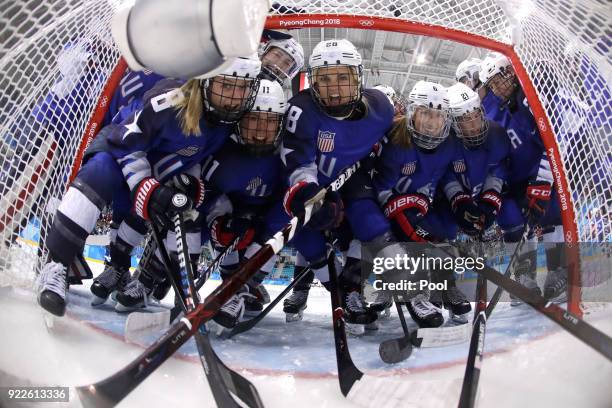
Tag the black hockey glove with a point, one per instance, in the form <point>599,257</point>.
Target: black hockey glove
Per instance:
<point>490,204</point>
<point>192,186</point>
<point>328,216</point>
<point>470,218</point>
<point>158,203</point>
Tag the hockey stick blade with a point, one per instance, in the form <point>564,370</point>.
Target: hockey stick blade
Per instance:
<point>138,324</point>
<point>440,336</point>
<point>395,350</point>
<point>348,373</point>
<point>115,388</point>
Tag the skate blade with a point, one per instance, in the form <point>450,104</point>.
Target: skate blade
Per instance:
<point>294,317</point>
<point>124,309</point>
<point>459,319</point>
<point>355,330</point>
<point>97,301</point>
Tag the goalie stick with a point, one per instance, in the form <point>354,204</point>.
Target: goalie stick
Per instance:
<point>570,322</point>
<point>241,327</point>
<point>115,388</point>
<point>467,399</point>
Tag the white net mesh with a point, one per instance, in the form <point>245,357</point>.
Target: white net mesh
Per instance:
<point>64,49</point>
<point>55,59</point>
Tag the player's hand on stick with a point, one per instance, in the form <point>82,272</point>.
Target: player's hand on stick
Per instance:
<point>225,229</point>
<point>468,215</point>
<point>538,197</point>
<point>158,203</point>
<point>326,216</point>
<point>407,212</point>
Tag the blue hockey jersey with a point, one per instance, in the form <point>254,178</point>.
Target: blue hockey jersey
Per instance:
<point>243,177</point>
<point>401,170</point>
<point>473,171</point>
<point>528,159</point>
<point>317,147</point>
<point>151,143</point>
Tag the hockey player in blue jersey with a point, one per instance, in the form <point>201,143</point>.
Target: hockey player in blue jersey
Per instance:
<point>174,131</point>
<point>474,181</point>
<point>246,183</point>
<point>409,170</point>
<point>529,175</point>
<point>329,127</point>
<point>281,60</point>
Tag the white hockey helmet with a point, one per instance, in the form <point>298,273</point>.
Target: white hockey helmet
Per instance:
<point>191,40</point>
<point>428,117</point>
<point>259,129</point>
<point>468,72</point>
<point>274,67</point>
<point>467,114</point>
<point>339,98</point>
<point>388,91</point>
<point>231,93</point>
<point>497,74</point>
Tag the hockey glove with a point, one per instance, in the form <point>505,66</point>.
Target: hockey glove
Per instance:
<point>407,213</point>
<point>470,218</point>
<point>225,229</point>
<point>490,204</point>
<point>327,216</point>
<point>538,199</point>
<point>192,186</point>
<point>158,203</point>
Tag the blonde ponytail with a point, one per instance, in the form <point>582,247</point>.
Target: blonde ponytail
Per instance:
<point>191,108</point>
<point>399,133</point>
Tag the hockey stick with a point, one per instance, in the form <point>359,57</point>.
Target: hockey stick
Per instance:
<point>241,327</point>
<point>348,373</point>
<point>113,389</point>
<point>216,264</point>
<point>204,275</point>
<point>509,270</point>
<point>469,389</point>
<point>395,350</point>
<point>217,371</point>
<point>570,322</point>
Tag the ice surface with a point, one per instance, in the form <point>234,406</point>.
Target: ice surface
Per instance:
<point>529,360</point>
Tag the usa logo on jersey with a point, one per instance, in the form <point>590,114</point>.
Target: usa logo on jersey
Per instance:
<point>254,183</point>
<point>459,166</point>
<point>325,142</point>
<point>408,169</point>
<point>188,151</point>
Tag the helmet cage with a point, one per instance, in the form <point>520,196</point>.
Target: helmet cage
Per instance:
<point>224,98</point>
<point>339,110</point>
<point>426,138</point>
<point>476,135</point>
<point>254,129</point>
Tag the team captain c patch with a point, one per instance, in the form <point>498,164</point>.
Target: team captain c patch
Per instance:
<point>325,141</point>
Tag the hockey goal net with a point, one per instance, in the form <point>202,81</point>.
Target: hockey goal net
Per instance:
<point>59,68</point>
